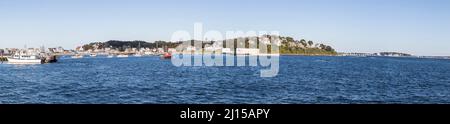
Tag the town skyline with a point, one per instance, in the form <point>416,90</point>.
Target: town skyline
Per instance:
<point>367,26</point>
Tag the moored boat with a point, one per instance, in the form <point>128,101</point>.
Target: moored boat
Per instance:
<point>166,55</point>
<point>25,58</point>
<point>122,56</point>
<point>137,55</point>
<point>77,56</point>
<point>93,55</point>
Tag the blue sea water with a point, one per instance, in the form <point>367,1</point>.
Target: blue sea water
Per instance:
<point>301,79</point>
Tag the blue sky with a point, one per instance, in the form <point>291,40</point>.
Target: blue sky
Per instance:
<point>420,27</point>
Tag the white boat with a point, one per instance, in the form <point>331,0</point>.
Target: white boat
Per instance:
<point>93,55</point>
<point>110,56</point>
<point>77,56</point>
<point>25,58</point>
<point>122,56</point>
<point>138,55</point>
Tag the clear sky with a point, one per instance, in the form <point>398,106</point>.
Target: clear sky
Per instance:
<point>420,27</point>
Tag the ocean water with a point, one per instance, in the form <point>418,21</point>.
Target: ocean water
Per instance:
<point>301,79</point>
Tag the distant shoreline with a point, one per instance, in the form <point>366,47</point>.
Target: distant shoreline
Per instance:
<point>418,57</point>
<point>307,55</point>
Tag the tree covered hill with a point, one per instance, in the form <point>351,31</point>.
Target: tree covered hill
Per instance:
<point>288,45</point>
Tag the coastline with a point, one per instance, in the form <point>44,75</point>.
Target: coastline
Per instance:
<point>284,54</point>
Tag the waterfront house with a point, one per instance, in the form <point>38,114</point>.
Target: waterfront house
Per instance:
<point>247,51</point>
<point>227,51</point>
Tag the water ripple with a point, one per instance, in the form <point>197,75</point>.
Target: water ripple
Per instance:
<point>301,80</point>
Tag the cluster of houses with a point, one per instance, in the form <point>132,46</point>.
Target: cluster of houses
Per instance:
<point>217,49</point>
<point>54,51</point>
<point>11,51</point>
<point>141,51</point>
<point>8,51</point>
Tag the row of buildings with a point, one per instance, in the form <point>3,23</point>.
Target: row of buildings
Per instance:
<point>216,48</point>
<point>145,51</point>
<point>11,51</point>
<point>189,49</point>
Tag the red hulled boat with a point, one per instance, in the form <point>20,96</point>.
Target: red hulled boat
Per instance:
<point>167,55</point>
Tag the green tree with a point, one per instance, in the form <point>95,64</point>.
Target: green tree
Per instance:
<point>321,46</point>
<point>289,39</point>
<point>303,42</point>
<point>329,48</point>
<point>87,47</point>
<point>310,43</point>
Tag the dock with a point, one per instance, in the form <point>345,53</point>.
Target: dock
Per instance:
<point>2,59</point>
<point>49,59</point>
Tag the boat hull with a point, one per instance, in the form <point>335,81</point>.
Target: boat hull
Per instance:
<point>21,61</point>
<point>166,56</point>
<point>122,56</point>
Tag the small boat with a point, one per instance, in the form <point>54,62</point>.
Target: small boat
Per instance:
<point>166,56</point>
<point>25,58</point>
<point>138,55</point>
<point>122,56</point>
<point>110,56</point>
<point>77,56</point>
<point>93,55</point>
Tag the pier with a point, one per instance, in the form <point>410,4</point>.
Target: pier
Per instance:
<point>2,59</point>
<point>49,59</point>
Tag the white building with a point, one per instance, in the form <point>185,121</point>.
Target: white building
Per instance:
<point>227,51</point>
<point>212,48</point>
<point>172,50</point>
<point>247,51</point>
<point>191,48</point>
